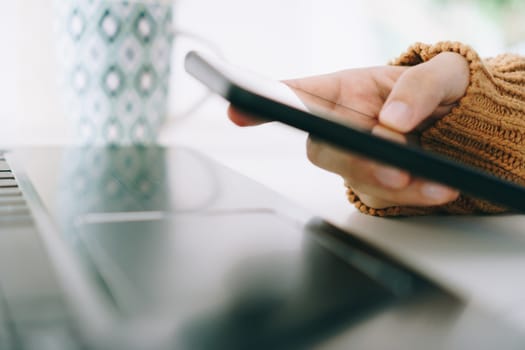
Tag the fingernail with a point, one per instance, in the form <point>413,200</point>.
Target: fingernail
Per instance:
<point>436,192</point>
<point>389,177</point>
<point>396,113</point>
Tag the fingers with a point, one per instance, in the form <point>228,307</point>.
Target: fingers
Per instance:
<point>418,193</point>
<point>241,118</point>
<point>378,185</point>
<point>354,167</point>
<point>424,88</point>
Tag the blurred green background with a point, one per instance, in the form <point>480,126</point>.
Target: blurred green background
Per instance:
<point>508,15</point>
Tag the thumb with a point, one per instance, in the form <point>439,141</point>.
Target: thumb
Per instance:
<point>421,90</point>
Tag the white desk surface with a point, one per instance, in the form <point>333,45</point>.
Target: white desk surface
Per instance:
<point>481,258</point>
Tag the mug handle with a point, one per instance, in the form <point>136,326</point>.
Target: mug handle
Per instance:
<point>199,101</point>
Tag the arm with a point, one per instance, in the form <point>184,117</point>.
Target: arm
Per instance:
<point>485,129</point>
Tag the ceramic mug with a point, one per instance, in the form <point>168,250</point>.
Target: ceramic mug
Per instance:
<point>114,61</point>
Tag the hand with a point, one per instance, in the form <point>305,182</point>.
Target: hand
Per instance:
<point>401,100</point>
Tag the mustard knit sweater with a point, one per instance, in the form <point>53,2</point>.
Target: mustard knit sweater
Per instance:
<point>485,130</point>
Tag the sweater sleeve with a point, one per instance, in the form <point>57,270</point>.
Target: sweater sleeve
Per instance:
<point>486,129</point>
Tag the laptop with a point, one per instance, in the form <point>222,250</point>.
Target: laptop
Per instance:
<point>146,247</point>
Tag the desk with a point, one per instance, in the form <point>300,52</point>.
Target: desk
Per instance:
<point>480,258</point>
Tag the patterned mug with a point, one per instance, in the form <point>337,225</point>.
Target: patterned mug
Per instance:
<point>114,61</point>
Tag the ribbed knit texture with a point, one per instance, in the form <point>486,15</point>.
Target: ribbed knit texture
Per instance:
<point>485,130</point>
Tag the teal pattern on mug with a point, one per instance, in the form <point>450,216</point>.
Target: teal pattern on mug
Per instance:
<point>114,64</point>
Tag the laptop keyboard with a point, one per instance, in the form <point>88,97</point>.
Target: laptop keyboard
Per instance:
<point>13,207</point>
<point>3,165</point>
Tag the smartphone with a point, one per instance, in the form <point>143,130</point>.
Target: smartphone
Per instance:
<point>275,101</point>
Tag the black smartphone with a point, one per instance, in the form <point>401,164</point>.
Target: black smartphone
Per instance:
<point>275,101</point>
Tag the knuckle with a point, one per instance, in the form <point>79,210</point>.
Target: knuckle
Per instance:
<point>424,76</point>
<point>313,150</point>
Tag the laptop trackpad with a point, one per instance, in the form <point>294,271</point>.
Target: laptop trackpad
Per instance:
<point>256,272</point>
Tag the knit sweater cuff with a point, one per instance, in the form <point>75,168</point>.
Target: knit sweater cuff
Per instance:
<point>486,129</point>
